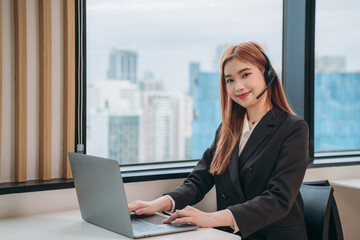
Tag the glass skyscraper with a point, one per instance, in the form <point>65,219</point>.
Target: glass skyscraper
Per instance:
<point>337,111</point>
<point>123,65</point>
<point>205,91</point>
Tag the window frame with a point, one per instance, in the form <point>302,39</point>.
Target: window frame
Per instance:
<point>298,53</point>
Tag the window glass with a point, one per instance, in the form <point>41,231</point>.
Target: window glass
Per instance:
<point>337,76</point>
<point>153,72</point>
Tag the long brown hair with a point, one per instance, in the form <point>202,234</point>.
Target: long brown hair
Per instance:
<point>232,113</point>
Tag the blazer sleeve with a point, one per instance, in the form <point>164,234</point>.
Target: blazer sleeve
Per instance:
<point>198,183</point>
<point>283,186</point>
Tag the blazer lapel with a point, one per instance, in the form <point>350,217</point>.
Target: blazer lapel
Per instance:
<point>260,133</point>
<point>233,168</point>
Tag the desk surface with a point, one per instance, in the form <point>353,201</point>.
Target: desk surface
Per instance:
<point>350,183</point>
<point>69,225</point>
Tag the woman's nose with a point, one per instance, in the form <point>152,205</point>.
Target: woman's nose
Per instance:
<point>238,86</point>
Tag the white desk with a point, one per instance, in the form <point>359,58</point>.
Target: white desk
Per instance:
<point>350,183</point>
<point>347,195</point>
<point>69,225</point>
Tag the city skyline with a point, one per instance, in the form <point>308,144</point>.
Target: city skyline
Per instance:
<point>140,121</point>
<point>165,42</point>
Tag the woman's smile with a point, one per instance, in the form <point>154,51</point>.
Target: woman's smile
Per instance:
<point>244,95</point>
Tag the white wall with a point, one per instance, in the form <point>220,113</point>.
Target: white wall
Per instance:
<point>22,204</point>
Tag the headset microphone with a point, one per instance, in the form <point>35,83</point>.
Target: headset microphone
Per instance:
<point>272,79</point>
<point>269,74</point>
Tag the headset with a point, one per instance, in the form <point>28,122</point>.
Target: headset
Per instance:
<point>269,74</point>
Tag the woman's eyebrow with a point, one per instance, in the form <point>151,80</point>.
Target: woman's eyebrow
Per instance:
<point>242,70</point>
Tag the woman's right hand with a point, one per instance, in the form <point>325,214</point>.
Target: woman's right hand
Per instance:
<point>150,207</point>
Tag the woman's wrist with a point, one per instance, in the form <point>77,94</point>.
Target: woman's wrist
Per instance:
<point>222,218</point>
<point>163,204</point>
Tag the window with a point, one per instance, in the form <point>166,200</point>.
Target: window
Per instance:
<point>147,63</point>
<point>153,72</point>
<point>337,77</point>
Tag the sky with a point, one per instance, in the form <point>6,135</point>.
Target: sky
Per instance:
<point>168,34</point>
<point>337,31</point>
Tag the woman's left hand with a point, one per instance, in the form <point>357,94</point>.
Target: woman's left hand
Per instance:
<point>200,218</point>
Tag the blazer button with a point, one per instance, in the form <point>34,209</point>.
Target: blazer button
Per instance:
<point>224,196</point>
<point>250,169</point>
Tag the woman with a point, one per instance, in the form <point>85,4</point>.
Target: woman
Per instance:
<point>257,161</point>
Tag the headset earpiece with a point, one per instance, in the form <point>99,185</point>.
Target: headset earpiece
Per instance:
<point>269,74</point>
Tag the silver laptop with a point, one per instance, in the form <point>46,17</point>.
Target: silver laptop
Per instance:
<point>102,200</point>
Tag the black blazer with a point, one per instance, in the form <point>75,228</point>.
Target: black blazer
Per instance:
<point>261,187</point>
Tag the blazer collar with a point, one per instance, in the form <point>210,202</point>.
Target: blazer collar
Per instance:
<point>260,133</point>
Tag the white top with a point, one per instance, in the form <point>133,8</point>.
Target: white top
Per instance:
<point>245,135</point>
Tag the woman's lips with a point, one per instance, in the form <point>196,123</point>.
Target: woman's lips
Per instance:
<point>244,95</point>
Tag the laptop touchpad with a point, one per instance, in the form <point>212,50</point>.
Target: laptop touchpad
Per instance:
<point>154,219</point>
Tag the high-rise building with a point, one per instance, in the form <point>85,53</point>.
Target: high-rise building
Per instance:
<point>166,126</point>
<point>123,65</point>
<point>337,111</point>
<point>124,134</point>
<point>117,96</point>
<point>159,125</point>
<point>186,116</point>
<point>205,92</point>
<point>193,76</point>
<point>114,136</point>
<point>151,85</point>
<point>114,125</point>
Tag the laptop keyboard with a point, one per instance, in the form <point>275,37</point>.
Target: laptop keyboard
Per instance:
<point>140,226</point>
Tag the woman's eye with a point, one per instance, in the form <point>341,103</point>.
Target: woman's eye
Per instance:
<point>245,75</point>
<point>229,80</point>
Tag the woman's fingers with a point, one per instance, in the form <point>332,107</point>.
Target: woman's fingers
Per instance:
<point>173,216</point>
<point>190,215</point>
<point>136,205</point>
<point>145,210</point>
<point>183,220</point>
<point>150,207</point>
<point>179,214</point>
<point>132,206</point>
<point>141,207</point>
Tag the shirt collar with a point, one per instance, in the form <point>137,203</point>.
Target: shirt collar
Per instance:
<point>245,125</point>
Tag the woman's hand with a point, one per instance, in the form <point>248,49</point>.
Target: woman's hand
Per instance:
<point>200,218</point>
<point>150,207</point>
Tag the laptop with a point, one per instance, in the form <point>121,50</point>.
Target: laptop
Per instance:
<point>102,200</point>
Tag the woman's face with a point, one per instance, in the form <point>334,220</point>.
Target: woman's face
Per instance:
<point>244,82</point>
